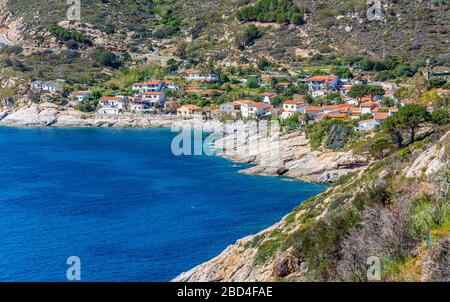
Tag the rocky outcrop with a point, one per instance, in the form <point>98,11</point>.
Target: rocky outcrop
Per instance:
<point>436,267</point>
<point>432,160</point>
<point>34,115</point>
<point>48,114</point>
<point>292,156</point>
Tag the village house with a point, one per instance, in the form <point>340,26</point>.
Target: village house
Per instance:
<point>367,125</point>
<point>198,75</point>
<point>171,106</point>
<point>339,116</point>
<point>283,85</point>
<point>232,108</point>
<point>154,99</point>
<point>345,89</point>
<point>351,101</point>
<point>150,86</point>
<point>336,108</point>
<point>315,113</point>
<point>317,83</point>
<point>267,79</point>
<point>187,111</point>
<point>368,107</point>
<point>292,107</point>
<point>202,114</point>
<point>259,109</point>
<point>320,93</point>
<point>171,86</point>
<point>378,120</point>
<point>80,96</point>
<point>355,113</point>
<point>268,96</point>
<point>119,102</point>
<point>48,86</point>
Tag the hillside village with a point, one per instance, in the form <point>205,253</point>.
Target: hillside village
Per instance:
<point>303,100</point>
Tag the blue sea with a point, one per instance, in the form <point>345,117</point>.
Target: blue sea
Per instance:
<point>124,204</point>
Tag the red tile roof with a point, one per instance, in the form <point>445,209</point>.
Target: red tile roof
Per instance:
<point>325,78</point>
<point>381,115</point>
<point>294,102</point>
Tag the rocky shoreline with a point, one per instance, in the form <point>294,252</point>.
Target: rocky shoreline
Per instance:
<point>48,114</point>
<point>295,158</point>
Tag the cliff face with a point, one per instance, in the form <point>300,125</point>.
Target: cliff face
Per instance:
<point>292,156</point>
<point>378,211</point>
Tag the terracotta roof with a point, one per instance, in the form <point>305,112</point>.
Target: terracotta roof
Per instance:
<point>152,93</point>
<point>340,106</point>
<point>269,94</point>
<point>381,115</point>
<point>81,92</point>
<point>313,108</point>
<point>193,91</point>
<point>260,104</point>
<point>294,102</point>
<point>369,104</point>
<point>326,78</point>
<point>190,106</point>
<point>337,115</point>
<point>245,102</point>
<point>111,98</point>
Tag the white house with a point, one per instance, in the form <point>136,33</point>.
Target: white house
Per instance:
<point>366,108</point>
<point>150,86</point>
<point>292,107</point>
<point>256,110</point>
<point>171,86</point>
<point>48,86</point>
<point>139,105</point>
<point>188,111</point>
<point>117,102</point>
<point>108,111</point>
<point>351,101</point>
<point>367,125</point>
<point>81,95</point>
<point>323,82</point>
<point>154,98</point>
<point>198,75</point>
<point>268,96</point>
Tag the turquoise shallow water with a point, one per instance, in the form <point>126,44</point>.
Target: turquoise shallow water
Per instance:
<point>122,203</point>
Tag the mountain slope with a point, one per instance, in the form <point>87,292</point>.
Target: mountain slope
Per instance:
<point>380,212</point>
<point>207,30</point>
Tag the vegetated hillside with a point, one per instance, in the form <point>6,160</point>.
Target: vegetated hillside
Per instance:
<point>397,210</point>
<point>290,30</point>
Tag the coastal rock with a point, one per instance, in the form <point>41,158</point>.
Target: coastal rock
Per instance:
<point>3,115</point>
<point>73,118</point>
<point>293,157</point>
<point>282,171</point>
<point>431,160</point>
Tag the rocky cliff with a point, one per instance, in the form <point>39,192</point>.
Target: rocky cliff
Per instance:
<point>377,211</point>
<point>292,156</point>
